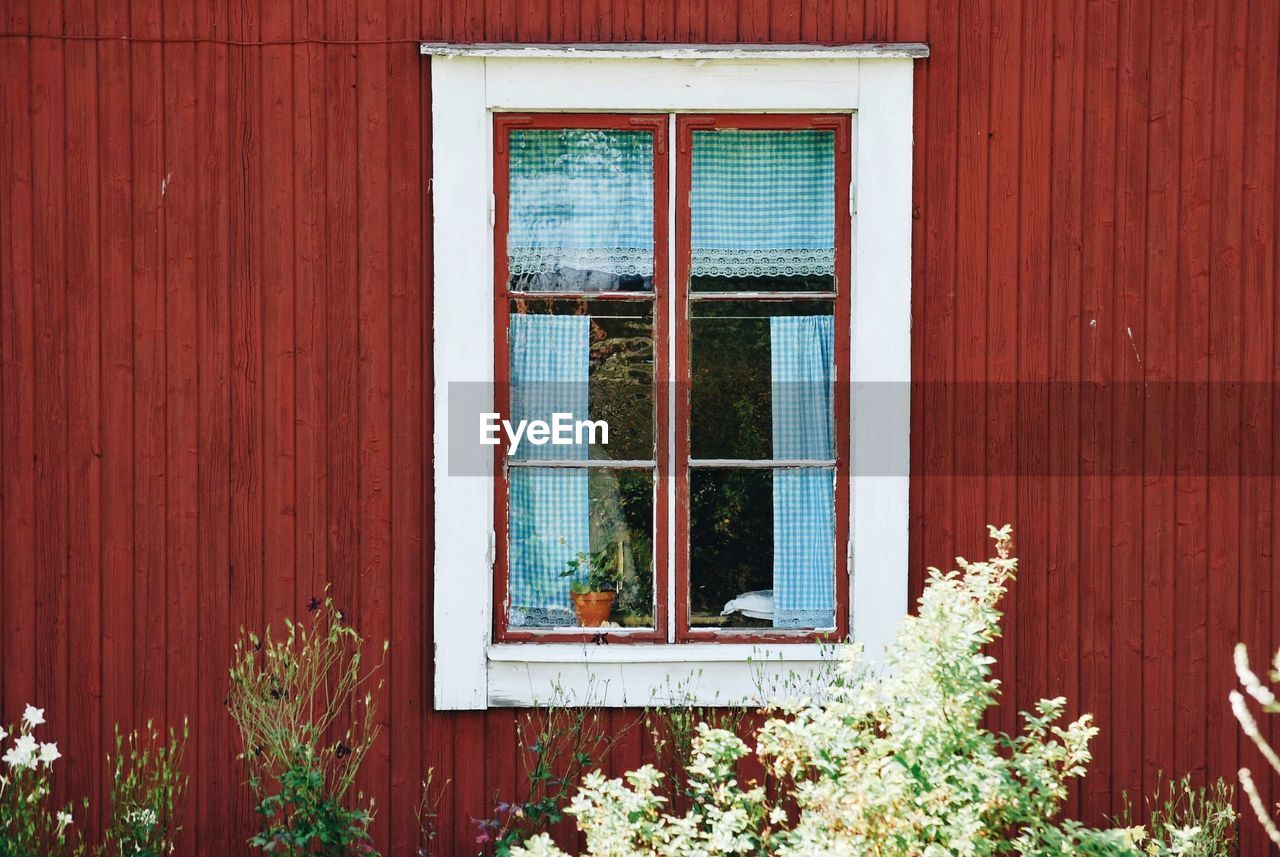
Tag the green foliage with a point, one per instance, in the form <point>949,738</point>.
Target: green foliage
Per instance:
<point>560,741</point>
<point>307,717</point>
<point>597,571</point>
<point>892,762</point>
<point>1199,821</point>
<point>28,825</point>
<point>147,788</point>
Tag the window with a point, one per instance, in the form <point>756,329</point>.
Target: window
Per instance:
<point>759,468</point>
<point>666,241</point>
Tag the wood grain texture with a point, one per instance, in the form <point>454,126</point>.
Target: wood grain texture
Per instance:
<point>215,370</point>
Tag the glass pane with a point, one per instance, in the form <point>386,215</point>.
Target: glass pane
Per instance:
<point>581,547</point>
<point>591,359</point>
<point>762,206</point>
<point>762,379</point>
<point>762,548</point>
<point>581,210</point>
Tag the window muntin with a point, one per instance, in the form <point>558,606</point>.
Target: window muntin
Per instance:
<point>757,275</point>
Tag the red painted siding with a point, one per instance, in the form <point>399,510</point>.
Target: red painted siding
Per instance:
<point>215,354</point>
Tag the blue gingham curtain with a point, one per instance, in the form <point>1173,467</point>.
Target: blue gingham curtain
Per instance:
<point>802,362</point>
<point>550,359</point>
<point>763,203</point>
<point>581,199</point>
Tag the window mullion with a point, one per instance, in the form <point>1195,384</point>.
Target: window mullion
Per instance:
<point>673,330</point>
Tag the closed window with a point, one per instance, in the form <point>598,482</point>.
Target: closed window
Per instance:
<point>723,397</point>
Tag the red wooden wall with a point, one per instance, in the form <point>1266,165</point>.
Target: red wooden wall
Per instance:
<point>215,354</point>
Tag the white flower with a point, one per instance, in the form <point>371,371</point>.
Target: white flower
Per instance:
<point>49,753</point>
<point>141,817</point>
<point>3,734</point>
<point>64,817</point>
<point>33,716</point>
<point>22,754</point>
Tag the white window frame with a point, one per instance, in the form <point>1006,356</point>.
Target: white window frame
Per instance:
<point>469,84</point>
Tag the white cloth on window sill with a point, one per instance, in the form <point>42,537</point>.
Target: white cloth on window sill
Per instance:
<point>753,605</point>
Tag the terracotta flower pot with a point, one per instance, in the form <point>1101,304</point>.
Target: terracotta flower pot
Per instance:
<point>593,608</point>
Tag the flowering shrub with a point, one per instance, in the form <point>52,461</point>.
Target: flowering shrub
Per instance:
<point>890,763</point>
<point>290,698</point>
<point>147,787</point>
<point>1198,822</point>
<point>1266,699</point>
<point>27,825</point>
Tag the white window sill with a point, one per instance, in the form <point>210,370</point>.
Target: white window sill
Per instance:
<point>637,675</point>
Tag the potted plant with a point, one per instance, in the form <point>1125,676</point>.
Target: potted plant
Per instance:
<point>596,579</point>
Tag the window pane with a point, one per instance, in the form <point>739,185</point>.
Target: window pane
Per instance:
<point>762,379</point>
<point>762,548</point>
<point>575,529</point>
<point>581,210</point>
<point>591,359</point>
<point>762,205</point>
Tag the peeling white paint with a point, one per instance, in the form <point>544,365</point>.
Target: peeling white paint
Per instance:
<point>875,50</point>
<point>164,185</point>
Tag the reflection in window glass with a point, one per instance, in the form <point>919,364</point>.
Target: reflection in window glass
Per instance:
<point>581,210</point>
<point>581,547</point>
<point>733,348</point>
<point>617,338</point>
<point>762,548</point>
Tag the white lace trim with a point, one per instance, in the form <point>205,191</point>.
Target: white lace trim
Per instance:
<point>542,617</point>
<point>546,260</point>
<point>763,263</point>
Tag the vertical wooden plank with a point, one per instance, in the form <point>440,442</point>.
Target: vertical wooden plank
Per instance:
<point>17,321</point>
<point>1066,220</point>
<point>531,20</point>
<point>341,429</point>
<point>1001,310</point>
<point>1191,581</point>
<point>468,799</point>
<point>1258,346</point>
<point>373,223</point>
<point>784,22</point>
<point>1223,527</point>
<point>1152,342</point>
<point>939,303</point>
<point>408,566</point>
<point>691,22</point>
<point>1031,598</point>
<point>973,81</point>
<point>310,478</point>
<point>149,405</point>
<point>220,775</point>
<point>245,225</point>
<point>722,21</point>
<point>84,438</point>
<point>1097,332</point>
<point>179,201</point>
<point>1127,590</point>
<point>279,242</point>
<point>753,21</point>
<point>115,190</point>
<point>48,266</point>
